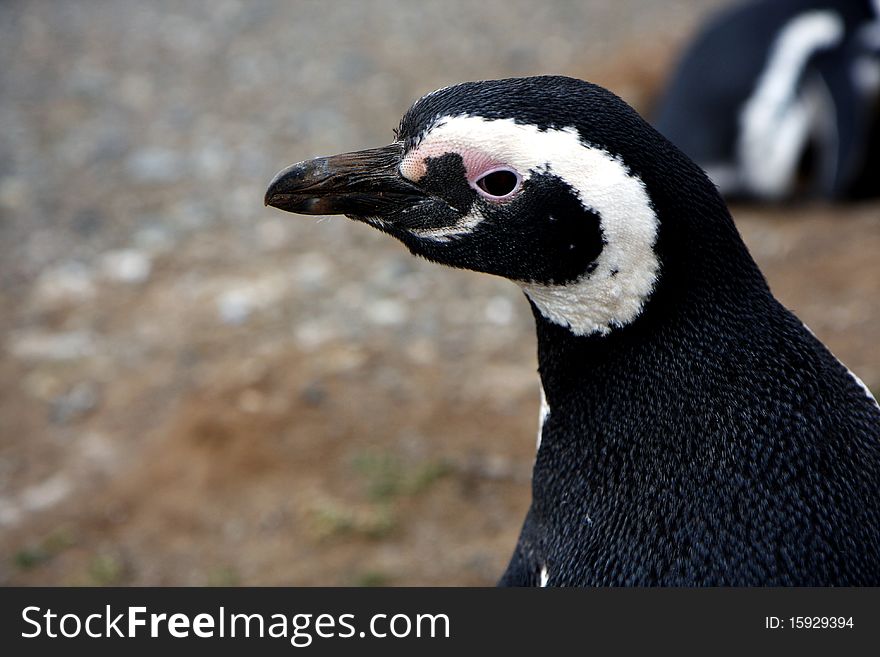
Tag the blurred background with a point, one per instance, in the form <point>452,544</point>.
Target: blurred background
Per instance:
<point>198,390</point>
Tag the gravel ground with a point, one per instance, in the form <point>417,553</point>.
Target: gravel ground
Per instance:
<point>198,390</point>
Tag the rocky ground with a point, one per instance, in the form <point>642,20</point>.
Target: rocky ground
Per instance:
<point>198,390</point>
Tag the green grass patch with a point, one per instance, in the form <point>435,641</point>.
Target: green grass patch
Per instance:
<point>387,477</point>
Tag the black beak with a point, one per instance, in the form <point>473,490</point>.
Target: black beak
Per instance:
<point>363,184</point>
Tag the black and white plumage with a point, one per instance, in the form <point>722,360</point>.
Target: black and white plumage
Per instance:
<point>777,98</point>
<point>694,432</point>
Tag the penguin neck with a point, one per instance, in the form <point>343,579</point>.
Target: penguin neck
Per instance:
<point>594,385</point>
<point>695,312</point>
<point>572,367</point>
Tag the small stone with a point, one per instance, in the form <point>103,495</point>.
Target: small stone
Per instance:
<point>387,312</point>
<point>234,307</point>
<point>98,448</point>
<point>242,297</point>
<point>312,269</point>
<point>46,493</point>
<point>212,161</point>
<point>154,237</point>
<point>126,266</point>
<point>67,283</point>
<point>272,235</point>
<point>77,402</point>
<point>312,334</point>
<point>154,165</point>
<point>36,345</point>
<point>313,394</point>
<point>499,310</point>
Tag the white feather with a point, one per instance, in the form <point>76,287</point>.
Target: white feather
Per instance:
<point>542,417</point>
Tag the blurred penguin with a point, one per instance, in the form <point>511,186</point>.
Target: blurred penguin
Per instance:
<point>781,98</point>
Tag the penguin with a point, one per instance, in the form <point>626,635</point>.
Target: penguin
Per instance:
<point>781,98</point>
<point>693,432</point>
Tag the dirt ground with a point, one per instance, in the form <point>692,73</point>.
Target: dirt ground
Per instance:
<point>196,390</point>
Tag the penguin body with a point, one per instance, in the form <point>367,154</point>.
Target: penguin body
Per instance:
<point>776,98</point>
<point>694,432</point>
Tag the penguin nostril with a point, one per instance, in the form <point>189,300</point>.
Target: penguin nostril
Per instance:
<point>498,184</point>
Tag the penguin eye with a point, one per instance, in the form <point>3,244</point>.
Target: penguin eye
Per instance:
<point>498,184</point>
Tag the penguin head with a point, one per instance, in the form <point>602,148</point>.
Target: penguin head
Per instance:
<point>546,181</point>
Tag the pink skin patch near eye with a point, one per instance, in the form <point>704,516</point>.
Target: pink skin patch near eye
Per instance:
<point>477,165</point>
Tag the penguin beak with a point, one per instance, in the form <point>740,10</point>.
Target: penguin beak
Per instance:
<point>363,183</point>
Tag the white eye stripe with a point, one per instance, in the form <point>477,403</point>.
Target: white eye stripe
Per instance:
<point>614,293</point>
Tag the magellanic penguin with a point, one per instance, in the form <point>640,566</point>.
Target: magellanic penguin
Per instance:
<point>694,431</point>
<point>781,98</point>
